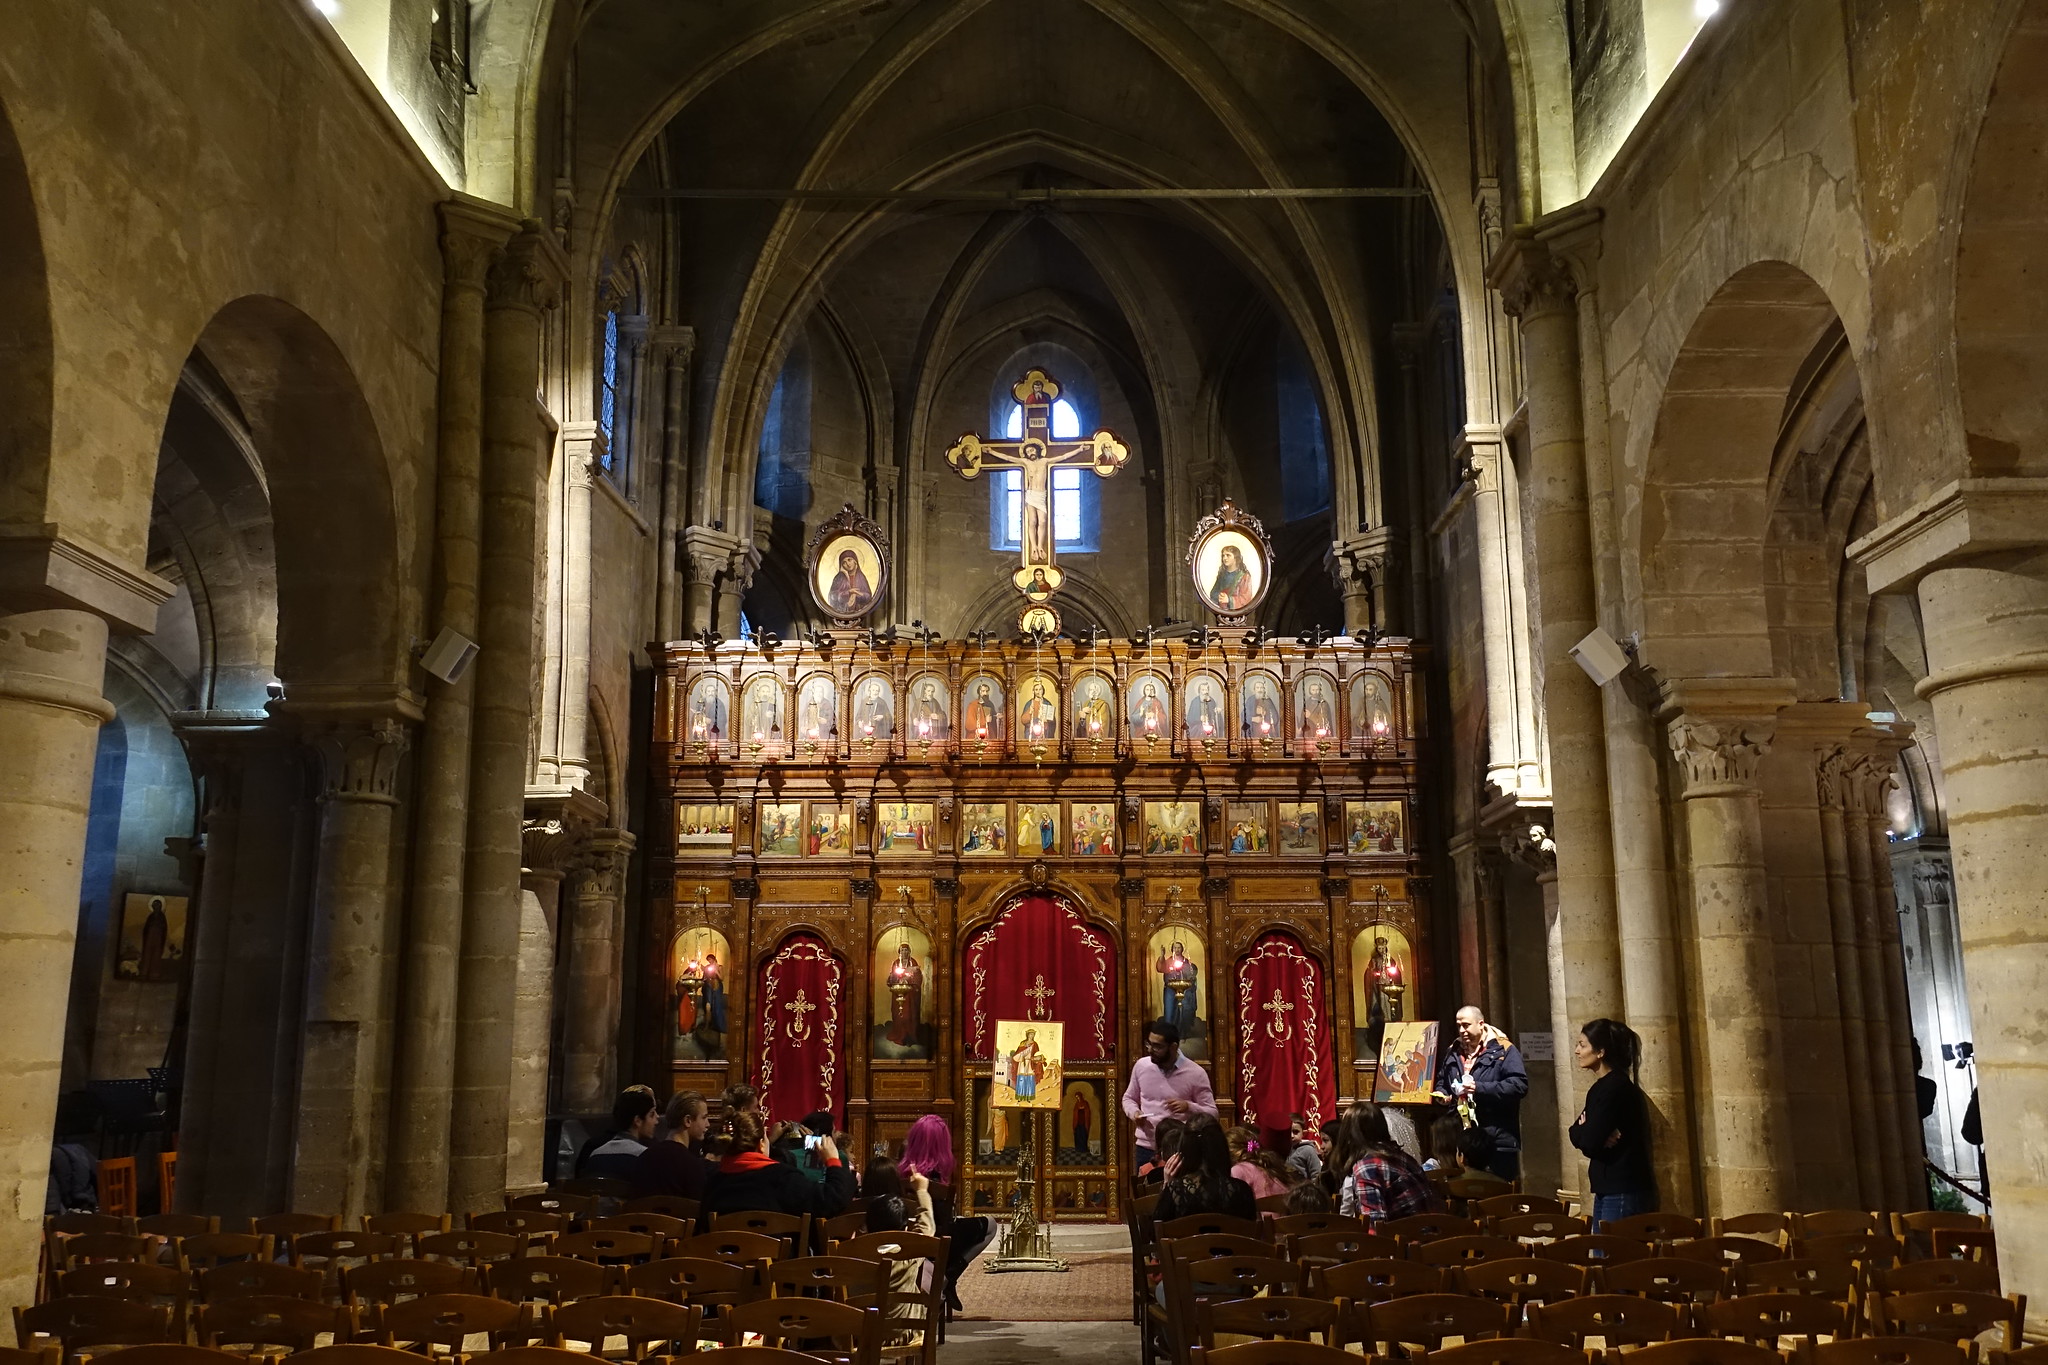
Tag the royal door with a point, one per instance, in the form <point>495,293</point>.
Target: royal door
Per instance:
<point>1041,962</point>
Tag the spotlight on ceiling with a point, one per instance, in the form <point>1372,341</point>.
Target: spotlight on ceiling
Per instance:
<point>1705,9</point>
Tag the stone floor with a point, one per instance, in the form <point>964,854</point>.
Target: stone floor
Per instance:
<point>1040,1343</point>
<point>988,1339</point>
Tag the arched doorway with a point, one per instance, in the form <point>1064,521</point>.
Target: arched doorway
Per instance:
<point>1040,960</point>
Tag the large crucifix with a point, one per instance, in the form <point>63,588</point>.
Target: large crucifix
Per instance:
<point>1036,454</point>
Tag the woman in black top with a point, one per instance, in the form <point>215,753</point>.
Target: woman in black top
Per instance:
<point>749,1180</point>
<point>1613,1130</point>
<point>1198,1178</point>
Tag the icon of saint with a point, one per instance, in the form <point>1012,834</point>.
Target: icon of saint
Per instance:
<point>1231,590</point>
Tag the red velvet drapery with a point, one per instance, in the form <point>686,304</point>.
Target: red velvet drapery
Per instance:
<point>1041,959</point>
<point>800,1020</point>
<point>1286,1064</point>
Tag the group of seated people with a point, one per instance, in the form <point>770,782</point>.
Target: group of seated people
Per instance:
<point>750,1164</point>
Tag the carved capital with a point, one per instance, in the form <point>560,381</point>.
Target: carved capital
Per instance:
<point>1130,887</point>
<point>863,888</point>
<point>1336,886</point>
<point>1358,562</point>
<point>1721,754</point>
<point>1212,808</point>
<point>1216,887</point>
<point>948,887</point>
<point>946,809</point>
<point>1868,782</point>
<point>550,844</point>
<point>746,889</point>
<point>1532,282</point>
<point>863,807</point>
<point>524,274</point>
<point>1133,808</point>
<point>1530,844</point>
<point>602,870</point>
<point>359,760</point>
<point>1831,775</point>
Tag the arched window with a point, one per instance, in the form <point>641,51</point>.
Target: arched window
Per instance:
<point>608,385</point>
<point>1304,449</point>
<point>782,473</point>
<point>1075,496</point>
<point>1066,422</point>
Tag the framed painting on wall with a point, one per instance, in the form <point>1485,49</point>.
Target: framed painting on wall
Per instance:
<point>1300,829</point>
<point>984,829</point>
<point>152,938</point>
<point>1244,828</point>
<point>1027,1063</point>
<point>1038,828</point>
<point>1094,829</point>
<point>905,827</point>
<point>704,827</point>
<point>905,996</point>
<point>782,829</point>
<point>1177,958</point>
<point>1173,827</point>
<point>1374,827</point>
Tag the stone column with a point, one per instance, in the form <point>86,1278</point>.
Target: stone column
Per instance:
<point>524,281</point>
<point>1359,566</point>
<point>590,1014</point>
<point>1464,853</point>
<point>1493,928</point>
<point>418,1174</point>
<point>740,566</point>
<point>1538,290</point>
<point>1511,749</point>
<point>563,761</point>
<point>706,553</point>
<point>51,665</point>
<point>1530,844</point>
<point>1832,779</point>
<point>550,848</point>
<point>1719,741</point>
<point>338,1166</point>
<point>1888,1016</point>
<point>670,349</point>
<point>1891,741</point>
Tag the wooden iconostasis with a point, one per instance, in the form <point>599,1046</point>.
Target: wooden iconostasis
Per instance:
<point>878,855</point>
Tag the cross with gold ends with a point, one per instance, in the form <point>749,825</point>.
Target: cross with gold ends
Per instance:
<point>1276,1027</point>
<point>1040,993</point>
<point>1036,454</point>
<point>800,1011</point>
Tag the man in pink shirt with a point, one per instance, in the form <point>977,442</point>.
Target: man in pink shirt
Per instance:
<point>1164,1084</point>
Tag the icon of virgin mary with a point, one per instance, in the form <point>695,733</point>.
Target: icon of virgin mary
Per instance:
<point>851,594</point>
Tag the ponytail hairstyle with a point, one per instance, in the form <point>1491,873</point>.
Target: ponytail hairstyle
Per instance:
<point>1617,1045</point>
<point>747,1131</point>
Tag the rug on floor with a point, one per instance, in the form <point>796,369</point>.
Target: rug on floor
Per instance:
<point>1096,1287</point>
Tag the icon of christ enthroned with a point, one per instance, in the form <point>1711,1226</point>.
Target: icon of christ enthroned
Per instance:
<point>1036,454</point>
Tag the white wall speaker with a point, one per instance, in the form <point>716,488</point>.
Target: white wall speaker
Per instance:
<point>450,656</point>
<point>1602,658</point>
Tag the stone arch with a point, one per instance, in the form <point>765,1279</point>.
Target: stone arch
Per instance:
<point>1706,497</point>
<point>342,622</point>
<point>2001,264</point>
<point>26,346</point>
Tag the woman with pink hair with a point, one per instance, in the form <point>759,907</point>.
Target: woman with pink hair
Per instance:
<point>928,1151</point>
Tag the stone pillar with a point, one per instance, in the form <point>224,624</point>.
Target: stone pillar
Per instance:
<point>1493,927</point>
<point>1538,290</point>
<point>524,281</point>
<point>1359,566</point>
<point>51,665</point>
<point>706,553</point>
<point>732,588</point>
<point>563,760</point>
<point>1719,741</point>
<point>1512,762</point>
<point>1832,780</point>
<point>418,1174</point>
<point>549,848</point>
<point>1530,844</point>
<point>338,1166</point>
<point>1889,743</point>
<point>670,349</point>
<point>1464,852</point>
<point>590,1014</point>
<point>1887,1016</point>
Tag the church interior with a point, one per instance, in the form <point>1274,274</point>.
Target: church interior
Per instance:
<point>554,545</point>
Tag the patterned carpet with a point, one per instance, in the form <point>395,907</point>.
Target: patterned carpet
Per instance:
<point>1095,1288</point>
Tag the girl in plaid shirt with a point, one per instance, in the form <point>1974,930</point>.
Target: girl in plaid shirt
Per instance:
<point>1379,1180</point>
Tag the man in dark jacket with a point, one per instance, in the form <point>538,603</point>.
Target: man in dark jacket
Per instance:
<point>1484,1065</point>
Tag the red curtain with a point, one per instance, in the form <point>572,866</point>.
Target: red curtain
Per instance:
<point>1041,959</point>
<point>1286,1064</point>
<point>802,993</point>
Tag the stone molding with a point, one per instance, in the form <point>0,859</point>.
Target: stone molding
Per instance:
<point>555,835</point>
<point>601,871</point>
<point>1358,562</point>
<point>472,232</point>
<point>584,446</point>
<point>667,341</point>
<point>45,568</point>
<point>1721,756</point>
<point>527,273</point>
<point>1959,521</point>
<point>359,759</point>
<point>1531,281</point>
<point>708,552</point>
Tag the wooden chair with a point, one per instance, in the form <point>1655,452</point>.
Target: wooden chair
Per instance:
<point>1208,1224</point>
<point>1469,1187</point>
<point>240,1279</point>
<point>1594,1249</point>
<point>855,1333</point>
<point>117,1186</point>
<point>469,1247</point>
<point>1501,1206</point>
<point>1766,1318</point>
<point>286,1228</point>
<point>163,1286</point>
<point>736,1248</point>
<point>1331,1248</point>
<point>1275,1317</point>
<point>1836,1280</point>
<point>1867,1248</point>
<point>1194,1273</point>
<point>1522,1280</point>
<point>1838,1223</point>
<point>570,1207</point>
<point>77,1321</point>
<point>410,1227</point>
<point>839,1278</point>
<point>609,1248</point>
<point>549,1279</point>
<point>661,1225</point>
<point>331,1252</point>
<point>1967,1244</point>
<point>1539,1227</point>
<point>51,1354</point>
<point>1467,1250</point>
<point>1976,1277</point>
<point>1696,1351</point>
<point>1376,1281</point>
<point>674,1205</point>
<point>1769,1227</point>
<point>1949,1315</point>
<point>70,1224</point>
<point>793,1229</point>
<point>1888,1351</point>
<point>920,1314</point>
<point>2026,1355</point>
<point>644,1323</point>
<point>86,1248</point>
<point>1505,1351</point>
<point>354,1353</point>
<point>528,1355</point>
<point>260,1320</point>
<point>1728,1251</point>
<point>1309,1224</point>
<point>178,1353</point>
<point>204,1251</point>
<point>593,1187</point>
<point>1274,1204</point>
<point>1667,1279</point>
<point>1617,1319</point>
<point>166,1179</point>
<point>449,1320</point>
<point>1914,1232</point>
<point>843,1228</point>
<point>1425,1320</point>
<point>1660,1229</point>
<point>537,1228</point>
<point>772,1355</point>
<point>173,1226</point>
<point>377,1285</point>
<point>1255,1353</point>
<point>1428,1227</point>
<point>713,1286</point>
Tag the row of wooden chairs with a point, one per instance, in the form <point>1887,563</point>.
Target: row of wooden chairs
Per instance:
<point>1686,1351</point>
<point>788,1324</point>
